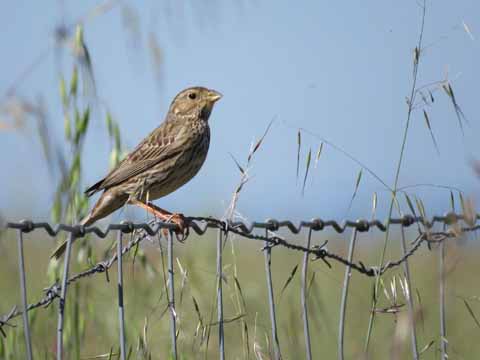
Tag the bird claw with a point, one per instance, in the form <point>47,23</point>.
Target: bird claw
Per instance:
<point>182,231</point>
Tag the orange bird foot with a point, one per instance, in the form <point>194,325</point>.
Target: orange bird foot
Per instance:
<point>168,217</point>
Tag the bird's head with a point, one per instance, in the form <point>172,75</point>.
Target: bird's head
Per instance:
<point>195,102</point>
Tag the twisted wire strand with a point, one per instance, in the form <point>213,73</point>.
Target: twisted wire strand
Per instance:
<point>200,225</point>
<point>195,223</point>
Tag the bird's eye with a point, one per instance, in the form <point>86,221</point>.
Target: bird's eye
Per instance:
<point>192,96</point>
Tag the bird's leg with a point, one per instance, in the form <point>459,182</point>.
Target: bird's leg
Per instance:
<point>175,218</point>
<point>166,216</point>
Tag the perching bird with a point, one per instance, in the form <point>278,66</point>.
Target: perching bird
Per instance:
<point>165,160</point>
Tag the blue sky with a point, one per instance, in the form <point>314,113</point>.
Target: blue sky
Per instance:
<point>340,69</point>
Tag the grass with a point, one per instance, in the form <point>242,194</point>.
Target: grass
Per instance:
<point>146,302</point>
<point>440,279</point>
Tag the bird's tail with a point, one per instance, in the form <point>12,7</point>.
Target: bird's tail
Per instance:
<point>106,204</point>
<point>88,220</point>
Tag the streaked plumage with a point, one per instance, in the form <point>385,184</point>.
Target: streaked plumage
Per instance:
<point>165,160</point>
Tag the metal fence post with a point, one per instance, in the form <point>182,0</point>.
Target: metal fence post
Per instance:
<point>343,304</point>
<point>271,300</point>
<point>221,340</point>
<point>443,324</point>
<point>411,308</point>
<point>171,295</point>
<point>306,328</point>
<point>121,315</point>
<point>23,286</point>
<point>63,296</point>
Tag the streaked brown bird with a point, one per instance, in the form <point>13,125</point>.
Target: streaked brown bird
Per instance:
<point>165,160</point>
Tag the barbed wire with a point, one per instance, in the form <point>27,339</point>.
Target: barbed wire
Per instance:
<point>200,225</point>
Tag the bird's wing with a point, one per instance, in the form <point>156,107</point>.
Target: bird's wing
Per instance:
<point>162,144</point>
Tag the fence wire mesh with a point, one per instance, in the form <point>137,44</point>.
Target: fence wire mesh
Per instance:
<point>454,225</point>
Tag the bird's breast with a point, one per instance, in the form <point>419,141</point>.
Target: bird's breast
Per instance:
<point>182,169</point>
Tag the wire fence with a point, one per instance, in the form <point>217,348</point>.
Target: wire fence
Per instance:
<point>454,225</point>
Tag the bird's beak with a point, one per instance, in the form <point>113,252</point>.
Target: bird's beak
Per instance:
<point>214,96</point>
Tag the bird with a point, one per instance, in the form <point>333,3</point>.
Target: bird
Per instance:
<point>169,157</point>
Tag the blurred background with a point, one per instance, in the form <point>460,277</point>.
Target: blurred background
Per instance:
<point>84,82</point>
<point>341,71</point>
